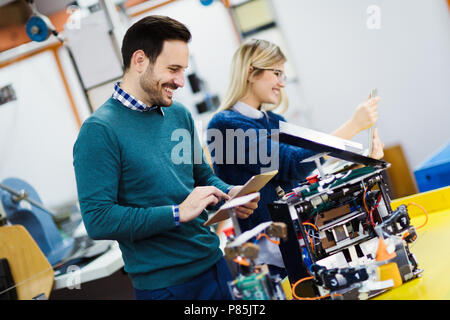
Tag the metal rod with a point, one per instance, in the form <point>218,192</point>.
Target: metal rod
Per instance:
<point>22,195</point>
<point>237,228</point>
<point>319,167</point>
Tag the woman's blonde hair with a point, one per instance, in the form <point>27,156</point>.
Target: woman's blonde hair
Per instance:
<point>258,54</point>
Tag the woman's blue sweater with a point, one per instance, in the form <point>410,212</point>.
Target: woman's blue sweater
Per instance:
<point>238,155</point>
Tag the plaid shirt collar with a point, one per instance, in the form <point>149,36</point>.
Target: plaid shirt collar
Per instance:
<point>131,102</point>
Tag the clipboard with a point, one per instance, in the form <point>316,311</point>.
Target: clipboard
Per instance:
<point>253,185</point>
<point>295,136</point>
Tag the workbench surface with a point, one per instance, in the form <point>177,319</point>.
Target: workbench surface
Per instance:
<point>431,248</point>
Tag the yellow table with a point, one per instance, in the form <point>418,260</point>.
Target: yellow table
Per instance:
<point>431,248</point>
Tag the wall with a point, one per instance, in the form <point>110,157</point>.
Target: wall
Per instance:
<point>37,131</point>
<point>339,59</point>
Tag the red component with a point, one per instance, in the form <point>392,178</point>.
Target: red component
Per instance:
<point>313,179</point>
<point>228,231</point>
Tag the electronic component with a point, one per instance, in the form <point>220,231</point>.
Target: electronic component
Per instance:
<point>344,241</point>
<point>257,286</point>
<point>254,282</point>
<point>247,250</point>
<point>334,232</point>
<point>339,237</point>
<point>335,279</point>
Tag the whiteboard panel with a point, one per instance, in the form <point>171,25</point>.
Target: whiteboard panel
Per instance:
<point>93,50</point>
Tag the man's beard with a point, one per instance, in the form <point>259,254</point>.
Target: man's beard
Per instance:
<point>153,89</point>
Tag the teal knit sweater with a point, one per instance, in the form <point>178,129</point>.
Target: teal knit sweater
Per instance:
<point>127,182</point>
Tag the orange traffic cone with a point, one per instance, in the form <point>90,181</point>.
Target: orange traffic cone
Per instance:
<point>390,270</point>
<point>382,253</point>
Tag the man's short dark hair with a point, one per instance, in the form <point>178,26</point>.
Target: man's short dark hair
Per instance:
<point>149,34</point>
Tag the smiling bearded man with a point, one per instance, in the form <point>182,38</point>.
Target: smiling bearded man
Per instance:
<point>130,189</point>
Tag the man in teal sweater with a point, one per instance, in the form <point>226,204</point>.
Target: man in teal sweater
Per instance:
<point>136,186</point>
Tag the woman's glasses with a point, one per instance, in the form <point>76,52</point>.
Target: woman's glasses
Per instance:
<point>278,73</point>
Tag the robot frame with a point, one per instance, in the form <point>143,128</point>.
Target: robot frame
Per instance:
<point>339,237</point>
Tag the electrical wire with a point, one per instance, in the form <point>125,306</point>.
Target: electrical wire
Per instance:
<point>364,199</point>
<point>259,236</point>
<point>425,211</point>
<point>309,237</point>
<point>370,212</point>
<point>311,214</point>
<point>306,298</point>
<point>290,194</point>
<point>373,209</point>
<point>310,241</point>
<point>310,224</point>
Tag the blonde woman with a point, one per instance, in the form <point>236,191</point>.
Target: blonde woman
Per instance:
<point>256,89</point>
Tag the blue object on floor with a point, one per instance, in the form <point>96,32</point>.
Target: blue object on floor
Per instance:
<point>434,173</point>
<point>38,222</point>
